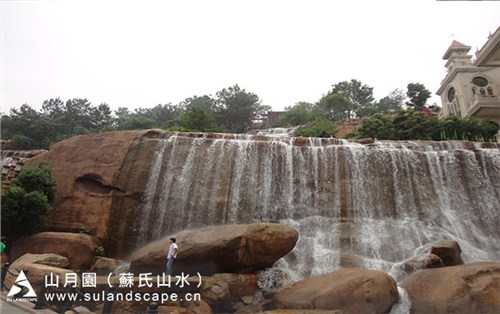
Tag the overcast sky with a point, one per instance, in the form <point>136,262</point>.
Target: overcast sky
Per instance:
<point>139,54</point>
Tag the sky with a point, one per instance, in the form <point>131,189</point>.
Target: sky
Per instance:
<point>138,54</point>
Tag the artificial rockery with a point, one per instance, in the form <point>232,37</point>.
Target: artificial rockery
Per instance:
<point>266,223</point>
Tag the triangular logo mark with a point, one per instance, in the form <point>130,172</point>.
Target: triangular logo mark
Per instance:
<point>22,288</point>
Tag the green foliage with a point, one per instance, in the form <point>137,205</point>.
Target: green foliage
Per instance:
<point>346,100</point>
<point>38,178</point>
<point>99,250</point>
<point>321,126</point>
<point>236,108</point>
<point>390,104</point>
<point>163,116</point>
<point>301,113</point>
<point>358,96</point>
<point>418,95</point>
<point>84,230</point>
<point>136,122</point>
<point>378,126</point>
<point>21,142</point>
<point>233,109</point>
<point>335,106</point>
<point>414,125</point>
<point>469,128</point>
<point>195,119</point>
<point>27,200</point>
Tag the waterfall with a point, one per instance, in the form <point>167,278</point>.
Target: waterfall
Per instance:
<point>369,206</point>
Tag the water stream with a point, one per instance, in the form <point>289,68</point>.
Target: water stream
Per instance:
<point>372,206</point>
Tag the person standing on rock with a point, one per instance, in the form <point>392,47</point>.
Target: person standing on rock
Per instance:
<point>171,256</point>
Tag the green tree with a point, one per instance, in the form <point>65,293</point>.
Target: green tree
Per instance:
<point>418,95</point>
<point>390,104</point>
<point>301,113</point>
<point>20,122</point>
<point>236,108</point>
<point>195,119</point>
<point>335,106</point>
<point>101,117</point>
<point>205,102</point>
<point>164,116</point>
<point>414,125</point>
<point>136,122</point>
<point>468,128</point>
<point>321,126</point>
<point>358,95</point>
<point>27,200</point>
<point>21,142</point>
<point>378,126</point>
<point>77,117</point>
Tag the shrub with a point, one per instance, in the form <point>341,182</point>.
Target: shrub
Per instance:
<point>321,126</point>
<point>27,200</point>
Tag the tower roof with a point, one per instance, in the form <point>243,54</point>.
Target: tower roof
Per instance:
<point>455,46</point>
<point>456,43</point>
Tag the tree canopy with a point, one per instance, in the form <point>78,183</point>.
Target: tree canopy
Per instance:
<point>232,110</point>
<point>415,125</point>
<point>27,200</point>
<point>301,113</point>
<point>418,95</point>
<point>236,108</point>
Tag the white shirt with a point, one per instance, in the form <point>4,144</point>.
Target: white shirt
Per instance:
<point>172,250</point>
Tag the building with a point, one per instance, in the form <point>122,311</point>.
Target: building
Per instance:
<point>273,117</point>
<point>472,88</point>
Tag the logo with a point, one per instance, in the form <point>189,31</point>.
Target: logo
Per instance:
<point>21,289</point>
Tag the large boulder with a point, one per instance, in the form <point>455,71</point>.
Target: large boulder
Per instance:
<point>440,254</point>
<point>87,169</point>
<point>468,288</point>
<point>219,249</point>
<point>228,287</point>
<point>36,273</point>
<point>78,248</point>
<point>351,290</point>
<point>448,251</point>
<point>49,259</point>
<point>105,265</point>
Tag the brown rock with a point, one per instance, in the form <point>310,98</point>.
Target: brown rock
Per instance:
<point>448,251</point>
<point>255,308</point>
<point>215,291</point>
<point>441,254</point>
<point>228,287</point>
<point>86,168</point>
<point>220,249</point>
<point>300,141</point>
<point>78,248</point>
<point>44,259</point>
<point>469,288</point>
<point>310,311</point>
<point>350,290</point>
<point>365,141</point>
<point>172,310</point>
<point>36,275</point>
<point>422,262</point>
<point>239,284</point>
<point>105,265</point>
<point>199,307</point>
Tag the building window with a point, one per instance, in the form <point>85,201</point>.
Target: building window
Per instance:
<point>480,81</point>
<point>451,94</point>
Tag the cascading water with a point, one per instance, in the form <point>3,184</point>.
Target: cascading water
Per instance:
<point>371,206</point>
